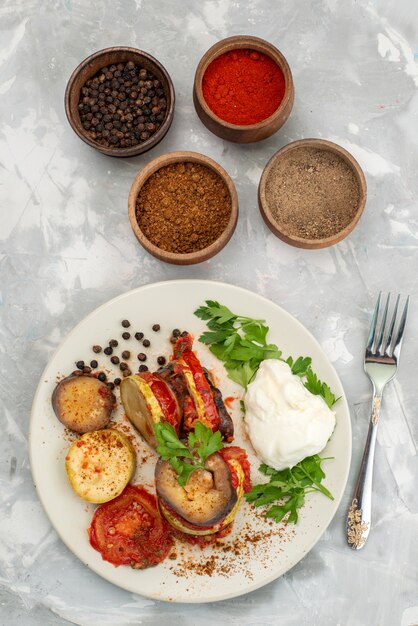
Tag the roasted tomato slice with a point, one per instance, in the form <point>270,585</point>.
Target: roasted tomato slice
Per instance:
<point>130,530</point>
<point>165,397</point>
<point>198,386</point>
<point>234,455</point>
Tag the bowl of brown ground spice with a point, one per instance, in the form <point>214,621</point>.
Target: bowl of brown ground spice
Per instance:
<point>312,193</point>
<point>183,208</point>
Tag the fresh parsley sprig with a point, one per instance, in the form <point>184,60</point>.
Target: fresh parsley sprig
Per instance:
<point>186,458</point>
<point>289,487</point>
<point>241,344</point>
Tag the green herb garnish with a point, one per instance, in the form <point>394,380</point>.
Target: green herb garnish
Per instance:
<point>241,344</point>
<point>290,486</point>
<point>201,443</point>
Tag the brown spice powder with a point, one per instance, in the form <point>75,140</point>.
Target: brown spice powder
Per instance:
<point>312,193</point>
<point>183,207</point>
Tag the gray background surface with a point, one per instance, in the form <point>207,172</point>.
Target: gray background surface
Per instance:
<point>67,247</point>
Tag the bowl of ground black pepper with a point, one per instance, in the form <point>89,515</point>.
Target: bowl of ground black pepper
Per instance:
<point>312,193</point>
<point>243,89</point>
<point>183,208</point>
<point>120,101</point>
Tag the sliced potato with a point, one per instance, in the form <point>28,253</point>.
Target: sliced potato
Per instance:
<point>100,464</point>
<point>83,403</point>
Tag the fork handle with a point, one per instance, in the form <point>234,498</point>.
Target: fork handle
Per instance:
<point>359,514</point>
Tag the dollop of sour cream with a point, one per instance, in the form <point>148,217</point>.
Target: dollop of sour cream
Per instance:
<point>285,421</point>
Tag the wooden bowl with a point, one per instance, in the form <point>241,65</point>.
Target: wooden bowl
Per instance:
<point>251,132</point>
<point>277,228</point>
<point>89,67</point>
<point>189,258</point>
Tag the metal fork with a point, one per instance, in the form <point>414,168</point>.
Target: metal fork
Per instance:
<point>380,364</point>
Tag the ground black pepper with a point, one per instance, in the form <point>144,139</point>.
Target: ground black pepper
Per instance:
<point>183,207</point>
<point>312,193</point>
<point>122,105</point>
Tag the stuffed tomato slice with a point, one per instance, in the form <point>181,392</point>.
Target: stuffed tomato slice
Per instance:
<point>147,400</point>
<point>129,530</point>
<point>211,497</point>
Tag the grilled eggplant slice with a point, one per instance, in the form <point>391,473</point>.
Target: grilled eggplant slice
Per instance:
<point>207,499</point>
<point>148,399</point>
<point>226,425</point>
<point>83,403</point>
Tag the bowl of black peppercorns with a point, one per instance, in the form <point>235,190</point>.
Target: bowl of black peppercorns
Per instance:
<point>120,101</point>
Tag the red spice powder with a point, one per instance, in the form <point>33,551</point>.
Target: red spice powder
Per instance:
<point>243,87</point>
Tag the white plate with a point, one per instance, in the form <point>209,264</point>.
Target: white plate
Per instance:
<point>257,551</point>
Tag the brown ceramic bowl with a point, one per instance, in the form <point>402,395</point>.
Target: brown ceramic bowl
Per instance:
<point>278,229</point>
<point>252,132</point>
<point>189,258</point>
<point>89,67</point>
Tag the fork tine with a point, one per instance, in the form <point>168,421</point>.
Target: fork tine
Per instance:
<point>379,344</point>
<point>388,346</point>
<point>372,332</point>
<point>398,341</point>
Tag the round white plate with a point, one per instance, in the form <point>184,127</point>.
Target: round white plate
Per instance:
<point>257,551</point>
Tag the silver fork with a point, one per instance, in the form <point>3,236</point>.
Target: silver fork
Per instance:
<point>380,364</point>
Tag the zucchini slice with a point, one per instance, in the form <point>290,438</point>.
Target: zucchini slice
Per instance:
<point>100,464</point>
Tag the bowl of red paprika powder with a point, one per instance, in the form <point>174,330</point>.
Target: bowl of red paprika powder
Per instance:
<point>243,89</point>
<point>183,208</point>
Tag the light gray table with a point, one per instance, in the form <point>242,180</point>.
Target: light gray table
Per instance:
<point>67,247</point>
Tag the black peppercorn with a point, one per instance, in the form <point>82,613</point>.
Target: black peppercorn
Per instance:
<point>176,332</point>
<point>142,368</point>
<point>102,377</point>
<point>126,335</point>
<point>126,372</point>
<point>161,360</point>
<point>111,385</point>
<point>126,354</point>
<point>113,95</point>
<point>184,333</point>
<point>126,323</point>
<point>139,336</point>
<point>123,366</point>
<point>80,365</point>
<point>113,343</point>
<point>146,343</point>
<point>173,340</point>
<point>117,381</point>
<point>86,369</point>
<point>142,356</point>
<point>156,328</point>
<point>108,350</point>
<point>93,364</point>
<point>97,349</point>
<point>115,360</point>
